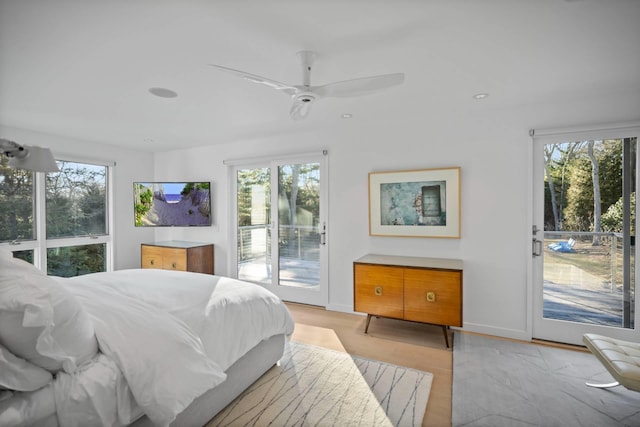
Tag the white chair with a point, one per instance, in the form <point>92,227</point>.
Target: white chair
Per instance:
<point>621,358</point>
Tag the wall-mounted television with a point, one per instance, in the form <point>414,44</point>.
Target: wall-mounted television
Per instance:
<point>172,204</point>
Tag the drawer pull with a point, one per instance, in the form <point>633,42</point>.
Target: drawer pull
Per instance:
<point>378,290</point>
<point>173,265</point>
<point>431,296</point>
<point>152,262</point>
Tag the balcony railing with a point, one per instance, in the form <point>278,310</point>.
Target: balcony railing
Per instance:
<point>299,254</point>
<point>294,241</point>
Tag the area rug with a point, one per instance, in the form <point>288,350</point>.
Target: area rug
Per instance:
<point>315,386</point>
<point>506,383</point>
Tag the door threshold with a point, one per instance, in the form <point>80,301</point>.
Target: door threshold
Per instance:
<point>557,344</point>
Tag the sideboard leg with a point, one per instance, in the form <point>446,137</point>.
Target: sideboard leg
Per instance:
<point>366,328</point>
<point>446,335</point>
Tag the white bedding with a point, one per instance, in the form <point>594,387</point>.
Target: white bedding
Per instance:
<point>230,316</point>
<point>165,337</point>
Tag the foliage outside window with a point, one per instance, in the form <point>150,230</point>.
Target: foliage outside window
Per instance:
<point>16,203</point>
<point>75,208</point>
<point>575,201</point>
<point>76,260</point>
<point>254,190</point>
<point>76,200</point>
<point>299,210</point>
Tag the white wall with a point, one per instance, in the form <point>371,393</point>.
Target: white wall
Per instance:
<point>130,166</point>
<point>491,146</point>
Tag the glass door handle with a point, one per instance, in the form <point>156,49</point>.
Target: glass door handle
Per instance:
<point>537,247</point>
<point>323,234</point>
<point>536,244</point>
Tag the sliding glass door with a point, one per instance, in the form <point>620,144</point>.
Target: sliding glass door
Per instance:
<point>281,227</point>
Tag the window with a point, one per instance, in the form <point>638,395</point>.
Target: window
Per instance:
<point>58,221</point>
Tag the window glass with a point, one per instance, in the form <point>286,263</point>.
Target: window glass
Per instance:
<point>26,255</point>
<point>76,200</point>
<point>16,203</point>
<point>76,260</point>
<point>254,231</point>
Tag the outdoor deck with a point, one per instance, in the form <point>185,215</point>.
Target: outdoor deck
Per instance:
<point>570,293</point>
<point>576,304</point>
<point>293,272</point>
<point>585,284</point>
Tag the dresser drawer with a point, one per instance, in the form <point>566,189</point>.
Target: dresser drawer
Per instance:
<point>164,258</point>
<point>174,259</point>
<point>151,257</point>
<point>378,290</point>
<point>433,296</point>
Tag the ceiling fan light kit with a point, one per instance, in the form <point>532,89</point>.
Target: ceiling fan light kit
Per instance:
<point>305,95</point>
<point>29,157</point>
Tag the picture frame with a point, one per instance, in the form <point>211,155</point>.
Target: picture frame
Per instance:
<point>415,203</point>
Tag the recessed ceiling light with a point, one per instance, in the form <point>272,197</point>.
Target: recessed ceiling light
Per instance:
<point>163,92</point>
<point>480,95</point>
<point>346,116</point>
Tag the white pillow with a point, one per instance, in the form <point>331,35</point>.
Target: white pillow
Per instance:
<point>18,374</point>
<point>40,321</point>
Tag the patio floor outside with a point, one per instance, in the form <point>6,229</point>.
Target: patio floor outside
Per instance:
<point>570,292</point>
<point>293,271</point>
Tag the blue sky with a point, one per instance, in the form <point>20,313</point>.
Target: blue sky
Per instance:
<point>169,187</point>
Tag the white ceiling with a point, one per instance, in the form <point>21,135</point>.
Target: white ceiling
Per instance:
<point>83,68</point>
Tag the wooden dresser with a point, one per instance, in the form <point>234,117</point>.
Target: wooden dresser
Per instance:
<point>178,255</point>
<point>425,290</point>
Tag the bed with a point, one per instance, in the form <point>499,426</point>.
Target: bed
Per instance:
<point>137,347</point>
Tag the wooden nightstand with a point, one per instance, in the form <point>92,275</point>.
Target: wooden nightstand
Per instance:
<point>424,290</point>
<point>178,255</point>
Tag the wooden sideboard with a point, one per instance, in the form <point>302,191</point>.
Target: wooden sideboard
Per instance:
<point>178,255</point>
<point>425,290</point>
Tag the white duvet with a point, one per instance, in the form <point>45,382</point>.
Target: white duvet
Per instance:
<point>165,338</point>
<point>229,316</point>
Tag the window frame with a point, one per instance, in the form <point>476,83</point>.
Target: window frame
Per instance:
<point>41,244</point>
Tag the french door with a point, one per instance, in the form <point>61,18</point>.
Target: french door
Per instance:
<point>584,226</point>
<point>281,227</point>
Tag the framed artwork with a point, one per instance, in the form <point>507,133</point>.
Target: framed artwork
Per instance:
<point>415,203</point>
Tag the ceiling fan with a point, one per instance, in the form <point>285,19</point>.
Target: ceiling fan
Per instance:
<point>304,95</point>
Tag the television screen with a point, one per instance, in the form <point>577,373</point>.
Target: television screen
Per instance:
<point>172,204</point>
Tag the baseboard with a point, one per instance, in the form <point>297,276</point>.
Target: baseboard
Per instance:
<point>341,308</point>
<point>516,334</point>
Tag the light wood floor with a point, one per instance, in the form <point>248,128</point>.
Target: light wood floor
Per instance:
<point>401,343</point>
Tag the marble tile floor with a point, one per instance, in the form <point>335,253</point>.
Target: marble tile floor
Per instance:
<point>507,383</point>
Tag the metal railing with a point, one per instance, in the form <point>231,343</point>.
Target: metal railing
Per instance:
<point>600,245</point>
<point>294,241</point>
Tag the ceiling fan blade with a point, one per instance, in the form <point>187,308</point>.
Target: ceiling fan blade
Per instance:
<point>300,109</point>
<point>357,87</point>
<point>285,88</point>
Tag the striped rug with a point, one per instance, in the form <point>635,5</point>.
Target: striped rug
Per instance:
<point>315,386</point>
